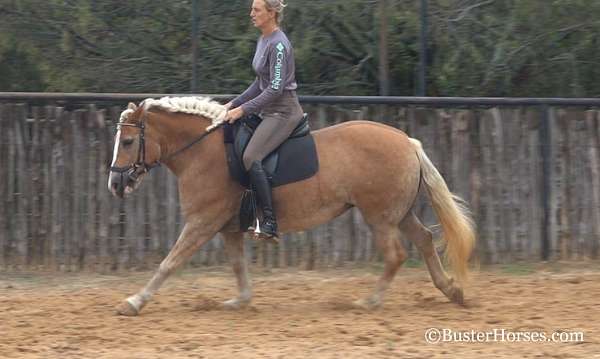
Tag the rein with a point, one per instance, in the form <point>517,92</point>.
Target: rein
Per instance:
<point>140,166</point>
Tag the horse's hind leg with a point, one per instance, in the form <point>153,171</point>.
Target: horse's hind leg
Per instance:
<point>387,238</point>
<point>234,245</point>
<point>417,233</point>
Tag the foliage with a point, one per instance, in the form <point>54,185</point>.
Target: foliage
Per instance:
<point>475,48</point>
<point>516,48</point>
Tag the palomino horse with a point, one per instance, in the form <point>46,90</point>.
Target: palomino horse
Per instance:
<point>367,165</point>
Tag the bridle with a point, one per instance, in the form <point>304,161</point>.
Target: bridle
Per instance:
<point>139,167</point>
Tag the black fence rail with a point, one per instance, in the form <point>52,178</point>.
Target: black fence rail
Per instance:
<point>317,100</point>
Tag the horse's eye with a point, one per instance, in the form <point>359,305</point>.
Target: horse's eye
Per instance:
<point>127,142</point>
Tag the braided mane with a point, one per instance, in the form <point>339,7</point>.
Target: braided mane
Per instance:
<point>194,105</point>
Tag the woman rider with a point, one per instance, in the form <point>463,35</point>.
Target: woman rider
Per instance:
<point>273,95</point>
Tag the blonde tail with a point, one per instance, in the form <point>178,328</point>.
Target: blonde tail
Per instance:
<point>457,224</point>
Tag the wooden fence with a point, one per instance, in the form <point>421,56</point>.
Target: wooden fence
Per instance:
<point>56,211</point>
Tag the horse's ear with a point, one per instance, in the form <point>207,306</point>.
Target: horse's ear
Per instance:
<point>131,106</point>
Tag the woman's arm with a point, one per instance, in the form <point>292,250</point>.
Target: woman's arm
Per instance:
<point>251,92</point>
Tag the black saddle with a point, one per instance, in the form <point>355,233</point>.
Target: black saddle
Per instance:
<point>294,160</point>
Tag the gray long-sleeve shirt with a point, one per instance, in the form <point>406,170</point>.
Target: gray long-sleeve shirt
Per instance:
<point>275,72</point>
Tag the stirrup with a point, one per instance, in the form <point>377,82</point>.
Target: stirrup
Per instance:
<point>262,236</point>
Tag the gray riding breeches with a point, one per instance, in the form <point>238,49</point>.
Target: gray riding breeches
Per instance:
<point>278,121</point>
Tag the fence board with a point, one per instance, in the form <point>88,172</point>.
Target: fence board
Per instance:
<point>490,225</point>
<point>32,139</point>
<point>78,191</point>
<point>593,147</point>
<point>507,170</point>
<point>518,182</point>
<point>577,189</point>
<point>100,170</point>
<point>171,212</point>
<point>529,190</point>
<point>57,235</point>
<point>558,217</point>
<point>310,254</point>
<point>21,189</point>
<point>46,188</point>
<point>89,182</point>
<point>10,184</point>
<point>571,240</point>
<point>141,222</point>
<point>154,218</point>
<point>4,143</point>
<point>476,183</point>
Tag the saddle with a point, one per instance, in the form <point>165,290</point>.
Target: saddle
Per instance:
<point>294,160</point>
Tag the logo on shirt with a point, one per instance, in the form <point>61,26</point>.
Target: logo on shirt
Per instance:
<point>278,65</point>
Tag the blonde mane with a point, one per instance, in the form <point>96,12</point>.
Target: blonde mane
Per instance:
<point>201,106</point>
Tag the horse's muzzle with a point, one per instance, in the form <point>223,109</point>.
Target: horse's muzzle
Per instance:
<point>123,183</point>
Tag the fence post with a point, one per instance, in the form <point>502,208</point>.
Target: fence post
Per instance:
<point>545,143</point>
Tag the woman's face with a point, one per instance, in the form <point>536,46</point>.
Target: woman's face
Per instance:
<point>260,15</point>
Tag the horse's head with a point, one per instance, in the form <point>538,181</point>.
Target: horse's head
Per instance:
<point>137,144</point>
<point>135,151</point>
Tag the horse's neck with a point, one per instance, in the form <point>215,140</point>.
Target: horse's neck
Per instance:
<point>206,189</point>
<point>176,133</point>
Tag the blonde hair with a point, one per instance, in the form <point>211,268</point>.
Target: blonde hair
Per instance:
<point>277,6</point>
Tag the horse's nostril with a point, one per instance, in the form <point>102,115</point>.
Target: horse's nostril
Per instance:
<point>114,186</point>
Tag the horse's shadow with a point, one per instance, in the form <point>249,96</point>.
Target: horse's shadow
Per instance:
<point>204,304</point>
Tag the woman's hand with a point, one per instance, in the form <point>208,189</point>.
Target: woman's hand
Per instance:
<point>227,105</point>
<point>234,115</point>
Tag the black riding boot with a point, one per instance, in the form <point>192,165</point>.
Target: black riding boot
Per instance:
<point>260,183</point>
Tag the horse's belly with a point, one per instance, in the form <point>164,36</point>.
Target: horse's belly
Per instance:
<point>301,205</point>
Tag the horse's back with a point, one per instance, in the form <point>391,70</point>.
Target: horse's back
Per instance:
<point>360,125</point>
<point>365,140</point>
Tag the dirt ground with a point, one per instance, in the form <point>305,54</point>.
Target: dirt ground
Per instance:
<point>299,314</point>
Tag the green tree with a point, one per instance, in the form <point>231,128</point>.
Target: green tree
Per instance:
<point>476,47</point>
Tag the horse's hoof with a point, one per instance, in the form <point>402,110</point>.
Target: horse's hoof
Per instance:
<point>126,309</point>
<point>235,304</point>
<point>455,294</point>
<point>366,304</point>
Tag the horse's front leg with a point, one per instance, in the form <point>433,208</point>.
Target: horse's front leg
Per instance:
<point>234,245</point>
<point>191,238</point>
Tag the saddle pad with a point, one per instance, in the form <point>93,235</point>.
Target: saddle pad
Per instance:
<point>295,160</point>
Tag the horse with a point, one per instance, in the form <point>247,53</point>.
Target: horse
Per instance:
<point>371,166</point>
